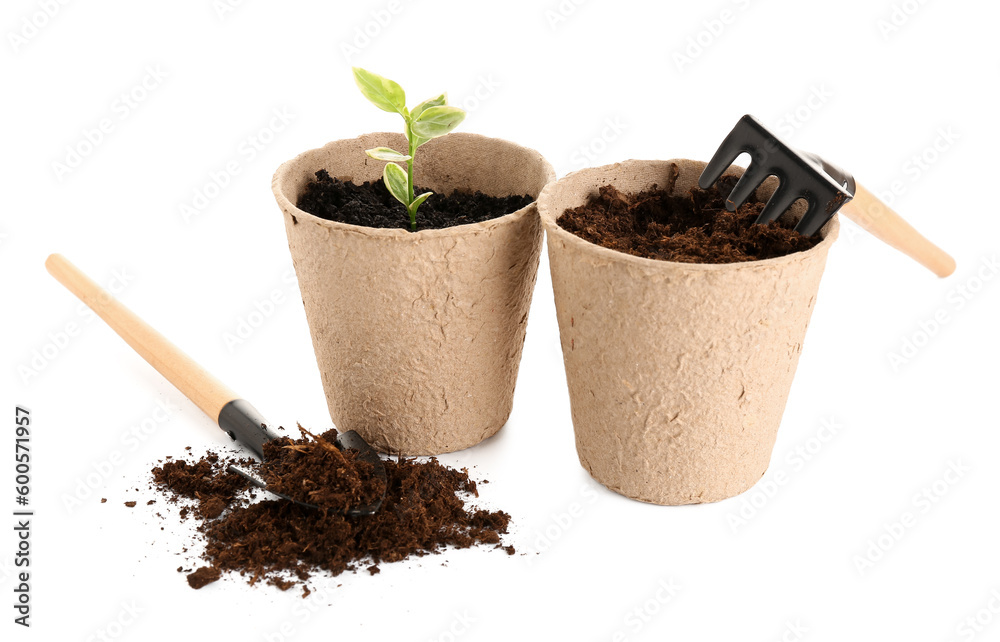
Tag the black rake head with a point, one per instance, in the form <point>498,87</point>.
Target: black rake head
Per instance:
<point>824,186</point>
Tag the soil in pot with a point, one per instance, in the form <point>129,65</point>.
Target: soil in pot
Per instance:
<point>425,510</point>
<point>371,205</point>
<point>694,228</point>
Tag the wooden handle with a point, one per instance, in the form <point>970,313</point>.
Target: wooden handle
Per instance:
<point>881,221</point>
<point>207,392</point>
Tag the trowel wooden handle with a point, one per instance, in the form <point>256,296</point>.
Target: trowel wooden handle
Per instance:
<point>207,392</point>
<point>881,221</point>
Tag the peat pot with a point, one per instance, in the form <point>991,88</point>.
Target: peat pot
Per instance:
<point>678,373</point>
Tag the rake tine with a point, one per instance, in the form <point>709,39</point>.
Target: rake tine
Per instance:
<point>779,202</point>
<point>752,177</point>
<point>813,219</point>
<point>728,151</point>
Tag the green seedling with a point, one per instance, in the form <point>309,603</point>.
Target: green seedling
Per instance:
<point>430,119</point>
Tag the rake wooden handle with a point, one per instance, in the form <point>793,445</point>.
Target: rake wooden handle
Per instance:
<point>207,392</point>
<point>879,220</point>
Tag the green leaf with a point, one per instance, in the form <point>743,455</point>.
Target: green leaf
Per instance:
<point>437,101</point>
<point>387,154</point>
<point>413,138</point>
<point>430,102</point>
<point>417,140</point>
<point>418,201</point>
<point>382,92</point>
<point>437,121</point>
<point>395,179</point>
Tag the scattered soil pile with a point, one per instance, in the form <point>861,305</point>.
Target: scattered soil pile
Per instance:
<point>424,511</point>
<point>203,576</point>
<point>207,480</point>
<point>695,228</point>
<point>371,205</point>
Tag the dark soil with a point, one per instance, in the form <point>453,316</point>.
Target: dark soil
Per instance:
<point>204,575</point>
<point>317,472</point>
<point>207,480</point>
<point>284,544</point>
<point>371,205</point>
<point>694,228</point>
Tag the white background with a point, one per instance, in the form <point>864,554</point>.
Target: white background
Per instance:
<point>552,77</point>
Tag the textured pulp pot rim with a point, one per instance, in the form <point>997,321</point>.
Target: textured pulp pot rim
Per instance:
<point>284,175</point>
<point>603,175</point>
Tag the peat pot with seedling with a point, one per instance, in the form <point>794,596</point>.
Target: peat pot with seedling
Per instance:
<point>416,280</point>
